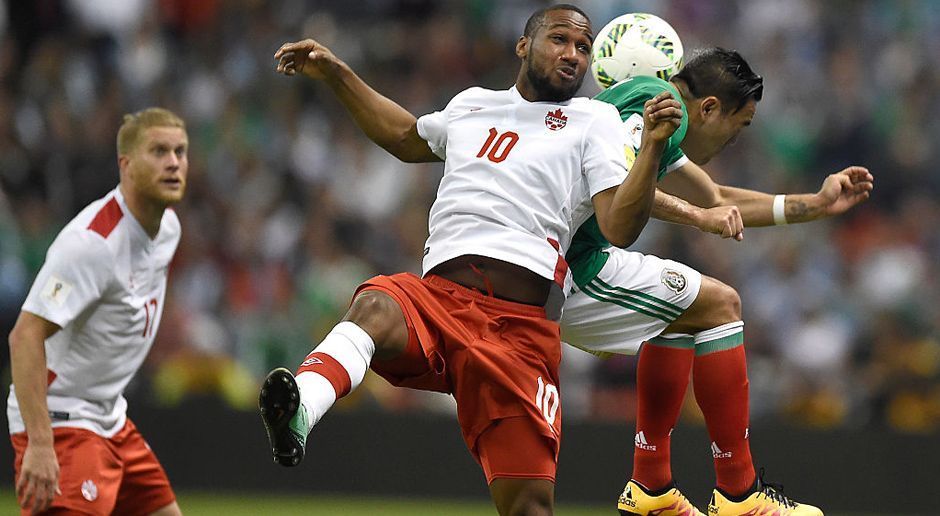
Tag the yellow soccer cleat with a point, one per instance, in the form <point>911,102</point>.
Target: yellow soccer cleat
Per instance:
<point>767,500</point>
<point>636,501</point>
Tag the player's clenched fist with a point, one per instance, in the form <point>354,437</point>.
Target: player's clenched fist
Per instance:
<point>662,115</point>
<point>725,221</point>
<point>307,57</point>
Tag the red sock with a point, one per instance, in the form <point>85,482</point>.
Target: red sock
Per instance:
<point>721,390</point>
<point>662,377</point>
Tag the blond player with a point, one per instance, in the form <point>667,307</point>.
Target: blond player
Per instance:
<point>87,325</point>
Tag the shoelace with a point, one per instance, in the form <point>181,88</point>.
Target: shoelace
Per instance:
<point>775,492</point>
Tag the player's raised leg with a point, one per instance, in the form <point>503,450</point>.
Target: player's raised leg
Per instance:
<point>291,405</point>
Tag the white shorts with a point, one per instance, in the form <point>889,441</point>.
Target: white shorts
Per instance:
<point>633,299</point>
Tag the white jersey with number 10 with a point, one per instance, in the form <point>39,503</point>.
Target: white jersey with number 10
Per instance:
<point>510,169</point>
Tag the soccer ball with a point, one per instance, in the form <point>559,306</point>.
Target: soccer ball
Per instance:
<point>635,44</point>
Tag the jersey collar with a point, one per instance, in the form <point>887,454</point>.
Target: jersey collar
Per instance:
<point>518,99</point>
<point>137,230</point>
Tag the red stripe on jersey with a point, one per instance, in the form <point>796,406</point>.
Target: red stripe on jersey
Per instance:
<point>561,266</point>
<point>50,377</point>
<point>107,218</point>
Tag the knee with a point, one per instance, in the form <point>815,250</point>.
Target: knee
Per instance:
<point>380,316</point>
<point>535,503</point>
<point>728,303</point>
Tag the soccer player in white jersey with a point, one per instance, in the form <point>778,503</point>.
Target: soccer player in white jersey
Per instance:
<point>85,328</point>
<point>475,324</point>
<point>691,322</point>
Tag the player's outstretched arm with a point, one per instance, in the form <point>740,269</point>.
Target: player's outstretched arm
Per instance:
<point>724,221</point>
<point>623,211</point>
<point>386,123</point>
<point>38,482</point>
<point>839,193</point>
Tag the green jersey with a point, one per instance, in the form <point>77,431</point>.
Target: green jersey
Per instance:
<point>586,255</point>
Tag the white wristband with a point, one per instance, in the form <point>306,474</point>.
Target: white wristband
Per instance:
<point>780,216</point>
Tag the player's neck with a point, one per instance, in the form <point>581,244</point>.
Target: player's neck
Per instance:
<point>147,214</point>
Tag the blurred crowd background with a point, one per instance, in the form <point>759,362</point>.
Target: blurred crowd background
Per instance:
<point>289,207</point>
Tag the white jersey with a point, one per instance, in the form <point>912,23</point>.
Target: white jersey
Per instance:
<point>511,167</point>
<point>103,282</point>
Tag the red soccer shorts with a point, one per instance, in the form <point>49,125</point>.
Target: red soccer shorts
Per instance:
<point>120,475</point>
<point>500,361</point>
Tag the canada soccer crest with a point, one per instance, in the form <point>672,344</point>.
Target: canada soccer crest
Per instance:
<point>555,120</point>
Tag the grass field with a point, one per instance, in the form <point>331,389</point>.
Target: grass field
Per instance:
<point>205,504</point>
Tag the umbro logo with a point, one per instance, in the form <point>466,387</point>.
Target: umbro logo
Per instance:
<point>642,443</point>
<point>310,361</point>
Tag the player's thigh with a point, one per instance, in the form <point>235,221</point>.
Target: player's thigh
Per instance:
<point>519,462</point>
<point>89,471</point>
<point>716,304</point>
<point>634,298</point>
<point>379,315</point>
<point>170,510</point>
<point>145,488</point>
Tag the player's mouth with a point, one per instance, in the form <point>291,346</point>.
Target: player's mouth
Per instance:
<point>567,73</point>
<point>173,183</point>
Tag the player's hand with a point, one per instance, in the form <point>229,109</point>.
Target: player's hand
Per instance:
<point>662,115</point>
<point>725,221</point>
<point>845,189</point>
<point>308,57</point>
<point>38,482</point>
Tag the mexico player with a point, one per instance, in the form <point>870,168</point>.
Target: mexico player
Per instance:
<point>691,322</point>
<point>87,325</point>
<point>475,325</point>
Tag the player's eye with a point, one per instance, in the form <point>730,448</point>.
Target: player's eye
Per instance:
<point>584,49</point>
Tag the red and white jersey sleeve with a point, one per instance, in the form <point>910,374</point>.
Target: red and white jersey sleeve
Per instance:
<point>511,171</point>
<point>103,282</point>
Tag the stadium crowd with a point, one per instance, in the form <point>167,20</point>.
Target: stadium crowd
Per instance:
<point>289,207</point>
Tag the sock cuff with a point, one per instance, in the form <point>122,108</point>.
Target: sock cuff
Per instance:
<point>674,340</point>
<point>719,338</point>
<point>361,340</point>
<point>350,349</point>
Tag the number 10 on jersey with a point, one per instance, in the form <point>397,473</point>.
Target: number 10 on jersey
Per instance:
<point>496,149</point>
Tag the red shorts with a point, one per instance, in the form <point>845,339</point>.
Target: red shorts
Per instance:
<point>120,475</point>
<point>500,361</point>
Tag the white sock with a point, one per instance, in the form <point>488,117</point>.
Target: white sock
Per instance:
<point>353,348</point>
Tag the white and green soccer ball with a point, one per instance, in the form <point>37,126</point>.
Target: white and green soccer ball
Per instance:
<point>635,44</point>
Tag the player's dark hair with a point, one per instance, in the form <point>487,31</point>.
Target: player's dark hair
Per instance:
<point>724,74</point>
<point>538,17</point>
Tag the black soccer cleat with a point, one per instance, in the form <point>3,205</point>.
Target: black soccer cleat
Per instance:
<point>287,427</point>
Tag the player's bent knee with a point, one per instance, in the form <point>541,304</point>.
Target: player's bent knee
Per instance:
<point>523,497</point>
<point>730,303</point>
<point>723,302</point>
<point>379,315</point>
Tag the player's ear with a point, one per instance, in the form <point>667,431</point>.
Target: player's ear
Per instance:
<point>710,106</point>
<point>124,162</point>
<point>522,47</point>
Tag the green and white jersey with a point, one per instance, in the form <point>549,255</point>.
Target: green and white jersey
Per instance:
<point>586,254</point>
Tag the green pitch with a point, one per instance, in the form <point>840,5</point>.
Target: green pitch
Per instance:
<point>217,504</point>
<point>205,504</point>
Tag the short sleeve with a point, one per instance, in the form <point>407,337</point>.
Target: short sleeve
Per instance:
<point>605,162</point>
<point>432,127</point>
<point>76,273</point>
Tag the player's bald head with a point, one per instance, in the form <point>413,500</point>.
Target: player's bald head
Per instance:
<point>539,18</point>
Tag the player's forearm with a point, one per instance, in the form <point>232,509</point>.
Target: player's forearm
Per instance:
<point>633,200</point>
<point>669,208</point>
<point>28,362</point>
<point>385,122</point>
<point>757,208</point>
